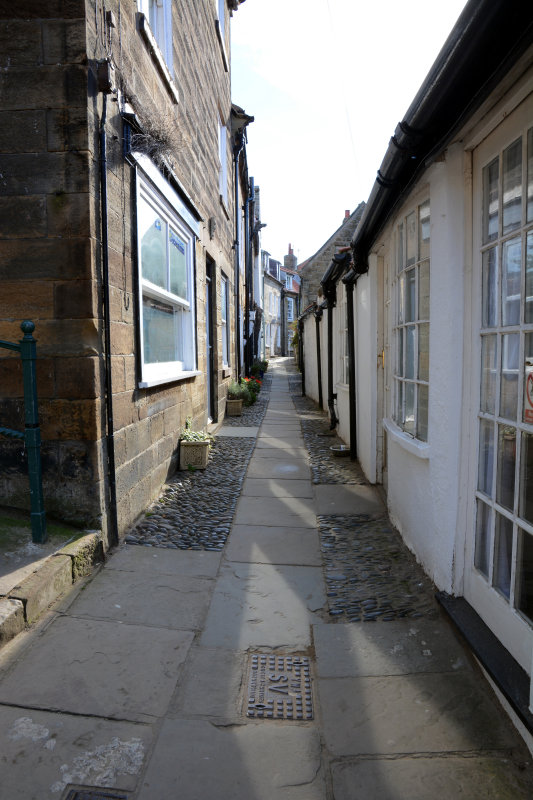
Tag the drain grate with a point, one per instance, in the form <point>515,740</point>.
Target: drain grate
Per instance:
<point>94,793</point>
<point>279,687</point>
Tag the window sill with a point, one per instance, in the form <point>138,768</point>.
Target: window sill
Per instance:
<point>222,46</point>
<point>409,443</point>
<point>157,56</point>
<point>181,376</point>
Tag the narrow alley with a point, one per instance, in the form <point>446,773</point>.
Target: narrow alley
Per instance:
<point>262,633</point>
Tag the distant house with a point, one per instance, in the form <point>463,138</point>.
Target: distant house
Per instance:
<point>122,159</point>
<point>312,269</point>
<point>272,287</point>
<point>433,321</point>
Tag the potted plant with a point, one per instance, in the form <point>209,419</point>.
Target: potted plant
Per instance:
<point>194,447</point>
<point>234,399</point>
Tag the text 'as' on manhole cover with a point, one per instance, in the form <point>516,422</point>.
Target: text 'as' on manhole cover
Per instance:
<point>279,687</point>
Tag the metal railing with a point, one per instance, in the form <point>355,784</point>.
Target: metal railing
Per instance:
<point>32,433</point>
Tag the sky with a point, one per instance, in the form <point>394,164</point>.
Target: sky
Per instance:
<point>327,81</point>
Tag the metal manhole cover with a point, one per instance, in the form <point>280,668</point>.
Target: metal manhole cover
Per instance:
<point>279,687</point>
<point>94,793</point>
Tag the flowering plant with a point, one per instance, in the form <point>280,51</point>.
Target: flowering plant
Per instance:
<point>188,435</point>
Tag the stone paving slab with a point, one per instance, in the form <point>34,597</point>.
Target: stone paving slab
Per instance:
<point>243,432</point>
<point>276,487</point>
<point>452,778</point>
<point>277,448</point>
<point>41,752</point>
<point>211,686</point>
<point>176,601</point>
<point>263,605</point>
<point>425,713</point>
<point>265,545</point>
<point>395,648</point>
<point>348,499</point>
<point>97,667</point>
<point>284,468</point>
<point>162,561</point>
<point>278,512</point>
<point>244,762</point>
<point>279,429</point>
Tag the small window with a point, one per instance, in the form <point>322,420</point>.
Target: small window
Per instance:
<point>224,319</point>
<point>165,246</point>
<point>411,376</point>
<point>223,158</point>
<point>159,16</point>
<point>290,309</point>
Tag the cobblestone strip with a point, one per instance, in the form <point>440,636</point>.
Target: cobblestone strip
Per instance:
<point>318,438</point>
<point>196,509</point>
<point>253,415</point>
<point>370,574</point>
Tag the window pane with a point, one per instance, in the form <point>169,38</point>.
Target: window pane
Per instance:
<point>410,288</point>
<point>423,231</point>
<point>410,333</point>
<point>488,374</point>
<point>525,574</point>
<point>490,201</point>
<point>400,370</point>
<point>399,402</point>
<point>527,414</point>
<point>401,299</point>
<point>400,250</point>
<point>410,224</point>
<point>528,316</point>
<point>160,332</point>
<point>530,175</point>
<point>506,466</point>
<point>512,186</point>
<point>178,264</point>
<point>509,384</point>
<point>423,352</point>
<point>490,288</point>
<point>503,554</point>
<point>482,552</point>
<point>511,259</point>
<point>409,419</point>
<point>526,478</point>
<point>486,456</point>
<point>223,299</point>
<point>423,290</point>
<point>422,421</point>
<point>153,245</point>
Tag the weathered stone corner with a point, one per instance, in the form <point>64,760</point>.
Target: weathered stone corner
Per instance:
<point>84,553</point>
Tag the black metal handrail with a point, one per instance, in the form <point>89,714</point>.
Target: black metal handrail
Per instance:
<point>27,347</point>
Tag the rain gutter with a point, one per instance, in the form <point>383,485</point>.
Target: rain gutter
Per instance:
<point>488,38</point>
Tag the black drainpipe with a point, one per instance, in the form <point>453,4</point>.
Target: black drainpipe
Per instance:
<point>110,441</point>
<point>318,317</point>
<point>331,394</point>
<point>301,360</point>
<point>351,369</point>
<point>350,280</point>
<point>239,142</point>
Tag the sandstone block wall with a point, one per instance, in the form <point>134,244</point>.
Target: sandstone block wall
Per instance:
<point>50,239</point>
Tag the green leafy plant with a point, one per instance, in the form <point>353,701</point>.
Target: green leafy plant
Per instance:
<point>236,391</point>
<point>188,435</point>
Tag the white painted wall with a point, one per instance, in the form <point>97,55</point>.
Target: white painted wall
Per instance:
<point>423,479</point>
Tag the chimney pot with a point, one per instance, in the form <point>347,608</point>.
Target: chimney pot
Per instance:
<point>347,213</point>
